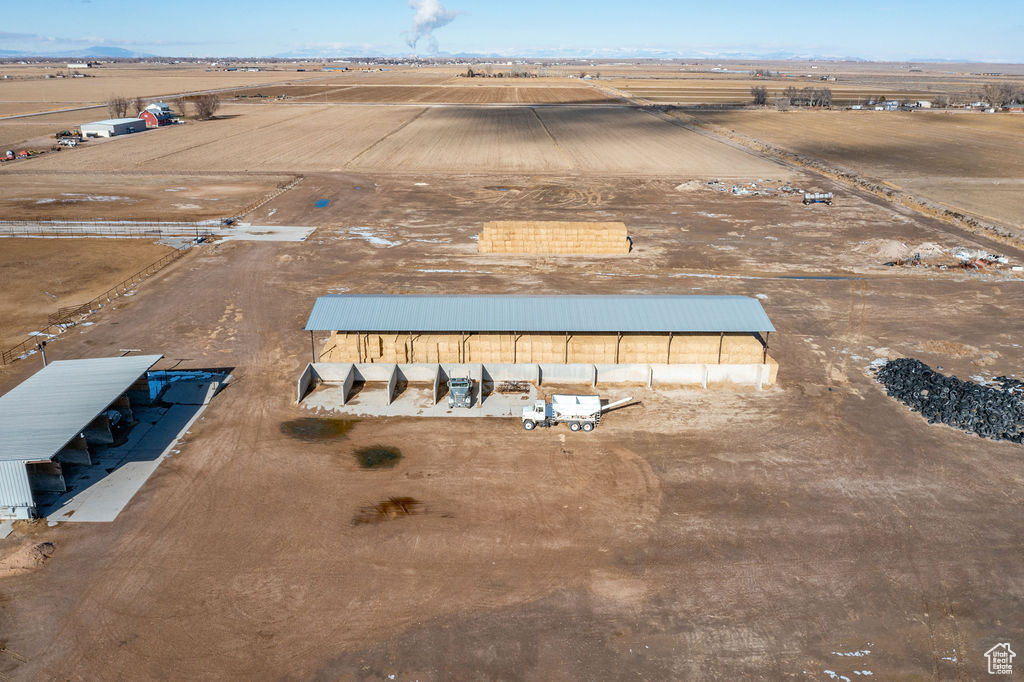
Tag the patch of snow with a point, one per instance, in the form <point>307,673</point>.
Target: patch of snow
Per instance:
<point>368,234</point>
<point>836,676</point>
<point>761,296</point>
<point>878,363</point>
<point>271,212</point>
<point>861,652</point>
<point>862,672</point>
<point>88,324</point>
<point>421,184</point>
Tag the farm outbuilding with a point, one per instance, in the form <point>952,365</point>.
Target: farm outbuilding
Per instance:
<point>112,127</point>
<point>49,421</point>
<point>680,339</point>
<point>157,114</point>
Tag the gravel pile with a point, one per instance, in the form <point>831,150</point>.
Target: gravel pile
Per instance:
<point>995,412</point>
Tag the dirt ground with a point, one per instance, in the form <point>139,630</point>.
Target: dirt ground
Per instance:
<point>157,197</point>
<point>814,530</point>
<point>42,275</point>
<point>305,138</point>
<point>971,161</point>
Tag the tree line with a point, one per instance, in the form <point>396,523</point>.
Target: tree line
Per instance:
<point>203,106</point>
<point>791,96</point>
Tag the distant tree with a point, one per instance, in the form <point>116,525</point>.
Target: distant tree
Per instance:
<point>760,95</point>
<point>206,105</point>
<point>782,103</point>
<point>941,101</point>
<point>995,95</point>
<point>138,105</point>
<point>823,97</point>
<point>469,72</point>
<point>117,106</point>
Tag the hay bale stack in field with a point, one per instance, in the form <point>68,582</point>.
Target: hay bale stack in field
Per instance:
<point>554,238</point>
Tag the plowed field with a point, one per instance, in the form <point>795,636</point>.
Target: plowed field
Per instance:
<point>294,138</point>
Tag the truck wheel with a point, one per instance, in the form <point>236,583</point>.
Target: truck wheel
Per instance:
<point>574,426</point>
<point>529,425</point>
<point>588,427</point>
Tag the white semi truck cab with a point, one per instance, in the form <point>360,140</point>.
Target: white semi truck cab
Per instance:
<point>580,412</point>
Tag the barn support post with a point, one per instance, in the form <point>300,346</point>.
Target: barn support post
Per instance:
<point>462,346</point>
<point>618,341</point>
<point>567,348</point>
<point>721,340</point>
<point>312,347</point>
<point>359,346</point>
<point>764,357</point>
<point>514,339</point>
<point>412,354</point>
<point>668,352</point>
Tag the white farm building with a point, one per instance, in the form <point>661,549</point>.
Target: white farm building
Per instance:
<point>112,127</point>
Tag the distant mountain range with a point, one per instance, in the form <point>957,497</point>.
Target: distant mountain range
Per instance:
<point>96,52</point>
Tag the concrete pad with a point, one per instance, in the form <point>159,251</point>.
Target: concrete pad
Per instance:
<point>415,401</point>
<point>6,527</point>
<point>190,392</point>
<point>263,233</point>
<point>99,492</point>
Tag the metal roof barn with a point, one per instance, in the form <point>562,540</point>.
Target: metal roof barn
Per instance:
<point>579,314</point>
<point>41,415</point>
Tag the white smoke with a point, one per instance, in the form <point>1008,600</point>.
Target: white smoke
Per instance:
<point>430,15</point>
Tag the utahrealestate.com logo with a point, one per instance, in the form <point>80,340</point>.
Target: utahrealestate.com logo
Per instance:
<point>1000,659</point>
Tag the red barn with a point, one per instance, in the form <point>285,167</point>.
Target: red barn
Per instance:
<point>156,115</point>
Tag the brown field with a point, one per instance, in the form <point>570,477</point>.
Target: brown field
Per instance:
<point>724,91</point>
<point>41,275</point>
<point>293,138</point>
<point>44,95</point>
<point>453,94</point>
<point>136,196</point>
<point>816,530</point>
<point>969,161</point>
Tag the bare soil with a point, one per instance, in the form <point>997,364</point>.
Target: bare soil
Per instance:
<point>971,162</point>
<point>159,197</point>
<point>42,275</point>
<point>700,535</point>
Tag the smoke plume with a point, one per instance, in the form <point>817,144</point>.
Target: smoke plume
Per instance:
<point>430,15</point>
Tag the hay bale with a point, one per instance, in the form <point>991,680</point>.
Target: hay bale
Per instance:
<point>553,238</point>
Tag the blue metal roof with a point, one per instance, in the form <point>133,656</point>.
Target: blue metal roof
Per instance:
<point>41,415</point>
<point>651,314</point>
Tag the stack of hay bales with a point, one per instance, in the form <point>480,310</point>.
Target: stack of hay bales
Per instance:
<point>598,349</point>
<point>553,238</point>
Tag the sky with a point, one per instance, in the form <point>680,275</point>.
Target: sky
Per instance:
<point>892,30</point>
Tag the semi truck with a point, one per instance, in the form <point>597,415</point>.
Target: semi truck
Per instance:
<point>460,393</point>
<point>580,412</point>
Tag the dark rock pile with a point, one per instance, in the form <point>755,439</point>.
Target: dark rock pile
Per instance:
<point>995,412</point>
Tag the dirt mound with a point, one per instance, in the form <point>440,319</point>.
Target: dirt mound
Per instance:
<point>25,558</point>
<point>891,249</point>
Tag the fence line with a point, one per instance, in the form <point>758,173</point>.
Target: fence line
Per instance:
<point>67,315</point>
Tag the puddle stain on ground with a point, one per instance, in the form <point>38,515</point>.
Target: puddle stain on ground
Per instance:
<point>389,509</point>
<point>377,457</point>
<point>313,429</point>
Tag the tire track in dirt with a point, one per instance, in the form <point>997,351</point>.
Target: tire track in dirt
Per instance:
<point>355,158</point>
<point>561,152</point>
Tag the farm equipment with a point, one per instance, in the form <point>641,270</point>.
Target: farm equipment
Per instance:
<point>459,392</point>
<point>8,155</point>
<point>818,198</point>
<point>580,412</point>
